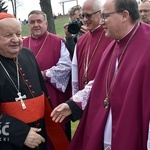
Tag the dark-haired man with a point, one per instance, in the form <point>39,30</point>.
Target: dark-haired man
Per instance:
<point>53,59</point>
<point>118,111</point>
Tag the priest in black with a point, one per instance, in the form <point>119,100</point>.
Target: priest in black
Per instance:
<point>22,92</point>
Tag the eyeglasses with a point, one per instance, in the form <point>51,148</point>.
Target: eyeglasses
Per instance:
<point>88,16</point>
<point>106,15</point>
<point>144,11</point>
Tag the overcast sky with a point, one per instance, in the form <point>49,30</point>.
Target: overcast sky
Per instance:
<point>28,5</point>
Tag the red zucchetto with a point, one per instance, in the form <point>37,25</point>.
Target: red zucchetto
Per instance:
<point>6,15</point>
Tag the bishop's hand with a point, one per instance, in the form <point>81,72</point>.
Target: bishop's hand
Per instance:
<point>61,112</point>
<point>34,139</point>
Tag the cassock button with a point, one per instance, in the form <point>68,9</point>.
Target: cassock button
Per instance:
<point>38,124</point>
<point>33,92</point>
<point>20,68</point>
<point>30,86</point>
<point>26,80</point>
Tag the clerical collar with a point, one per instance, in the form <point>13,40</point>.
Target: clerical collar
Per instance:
<point>3,57</point>
<point>40,37</point>
<point>128,32</point>
<point>95,28</point>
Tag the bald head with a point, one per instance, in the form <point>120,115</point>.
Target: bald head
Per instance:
<point>91,13</point>
<point>93,4</point>
<point>10,22</point>
<point>10,37</point>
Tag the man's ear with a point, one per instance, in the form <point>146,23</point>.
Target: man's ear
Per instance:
<point>125,15</point>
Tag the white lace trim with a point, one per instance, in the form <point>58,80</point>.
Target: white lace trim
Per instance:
<point>81,97</point>
<point>75,88</point>
<point>59,77</point>
<point>59,74</point>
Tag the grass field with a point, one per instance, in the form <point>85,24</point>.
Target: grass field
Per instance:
<point>59,31</point>
<point>73,127</point>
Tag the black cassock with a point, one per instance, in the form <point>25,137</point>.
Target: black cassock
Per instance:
<point>31,85</point>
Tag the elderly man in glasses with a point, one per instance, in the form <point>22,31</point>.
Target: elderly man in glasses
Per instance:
<point>90,46</point>
<point>87,55</point>
<point>144,10</point>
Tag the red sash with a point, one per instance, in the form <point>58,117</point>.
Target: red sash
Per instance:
<point>54,130</point>
<point>36,106</point>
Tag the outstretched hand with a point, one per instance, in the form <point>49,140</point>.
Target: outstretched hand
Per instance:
<point>61,112</point>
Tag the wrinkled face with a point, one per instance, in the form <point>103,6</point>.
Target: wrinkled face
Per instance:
<point>10,37</point>
<point>91,18</point>
<point>144,10</point>
<point>112,21</point>
<point>37,25</point>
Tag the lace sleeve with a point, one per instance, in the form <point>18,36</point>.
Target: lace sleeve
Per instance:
<point>59,75</point>
<point>82,96</point>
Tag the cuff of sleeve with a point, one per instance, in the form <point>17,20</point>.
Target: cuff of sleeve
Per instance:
<point>76,110</point>
<point>44,73</point>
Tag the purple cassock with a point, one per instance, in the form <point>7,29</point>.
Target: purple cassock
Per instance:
<point>129,97</point>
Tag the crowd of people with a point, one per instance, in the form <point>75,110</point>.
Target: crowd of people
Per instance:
<point>98,74</point>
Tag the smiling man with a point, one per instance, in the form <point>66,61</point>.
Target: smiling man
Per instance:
<point>118,111</point>
<point>23,107</point>
<point>87,55</point>
<point>90,46</point>
<point>21,87</point>
<point>53,59</point>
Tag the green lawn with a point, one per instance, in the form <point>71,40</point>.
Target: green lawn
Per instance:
<point>73,127</point>
<point>59,23</point>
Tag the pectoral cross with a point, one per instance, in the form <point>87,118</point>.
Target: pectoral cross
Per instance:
<point>106,103</point>
<point>85,81</point>
<point>20,98</point>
